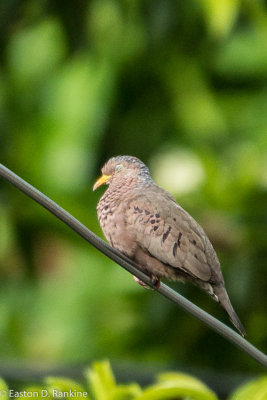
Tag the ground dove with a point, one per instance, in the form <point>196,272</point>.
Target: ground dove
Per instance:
<point>145,223</point>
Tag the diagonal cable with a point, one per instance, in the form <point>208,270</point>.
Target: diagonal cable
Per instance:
<point>131,267</point>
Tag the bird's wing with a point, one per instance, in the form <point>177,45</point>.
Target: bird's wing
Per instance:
<point>161,227</point>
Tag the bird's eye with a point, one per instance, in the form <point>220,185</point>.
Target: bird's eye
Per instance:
<point>117,167</point>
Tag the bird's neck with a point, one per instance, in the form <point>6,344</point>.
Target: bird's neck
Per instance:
<point>118,191</point>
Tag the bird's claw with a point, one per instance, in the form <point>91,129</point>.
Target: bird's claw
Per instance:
<point>154,280</point>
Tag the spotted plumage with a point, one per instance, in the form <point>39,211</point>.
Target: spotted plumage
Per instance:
<point>145,223</point>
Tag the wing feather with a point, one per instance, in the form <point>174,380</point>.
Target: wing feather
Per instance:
<point>165,230</point>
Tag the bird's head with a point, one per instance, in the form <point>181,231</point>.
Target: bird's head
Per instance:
<point>121,168</point>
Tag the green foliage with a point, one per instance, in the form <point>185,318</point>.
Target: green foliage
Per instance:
<point>220,16</point>
<point>177,385</point>
<point>180,84</point>
<point>101,385</point>
<point>104,386</point>
<point>3,390</point>
<point>255,390</point>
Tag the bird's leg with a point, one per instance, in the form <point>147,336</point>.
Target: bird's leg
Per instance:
<point>154,280</point>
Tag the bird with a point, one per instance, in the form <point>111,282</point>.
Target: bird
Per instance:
<point>145,223</point>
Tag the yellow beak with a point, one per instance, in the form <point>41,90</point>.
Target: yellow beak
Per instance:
<point>103,179</point>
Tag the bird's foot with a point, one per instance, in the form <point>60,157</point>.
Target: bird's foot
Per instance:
<point>141,282</point>
<point>154,280</point>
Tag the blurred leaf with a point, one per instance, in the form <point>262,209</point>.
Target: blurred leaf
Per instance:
<point>178,385</point>
<point>101,380</point>
<point>220,15</point>
<point>77,100</point>
<point>243,56</point>
<point>6,233</point>
<point>255,390</point>
<point>180,377</point>
<point>117,31</point>
<point>192,96</point>
<point>126,392</point>
<point>4,391</point>
<point>36,51</point>
<point>77,96</point>
<point>2,97</point>
<point>187,171</point>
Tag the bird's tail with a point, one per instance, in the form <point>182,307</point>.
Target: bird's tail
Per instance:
<point>224,300</point>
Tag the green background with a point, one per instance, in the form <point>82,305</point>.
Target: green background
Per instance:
<point>181,85</point>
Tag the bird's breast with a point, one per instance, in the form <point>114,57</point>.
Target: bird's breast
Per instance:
<point>111,216</point>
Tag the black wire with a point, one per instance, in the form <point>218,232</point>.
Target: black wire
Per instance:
<point>130,266</point>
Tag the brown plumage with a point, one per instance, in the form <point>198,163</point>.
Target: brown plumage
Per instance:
<point>144,222</point>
